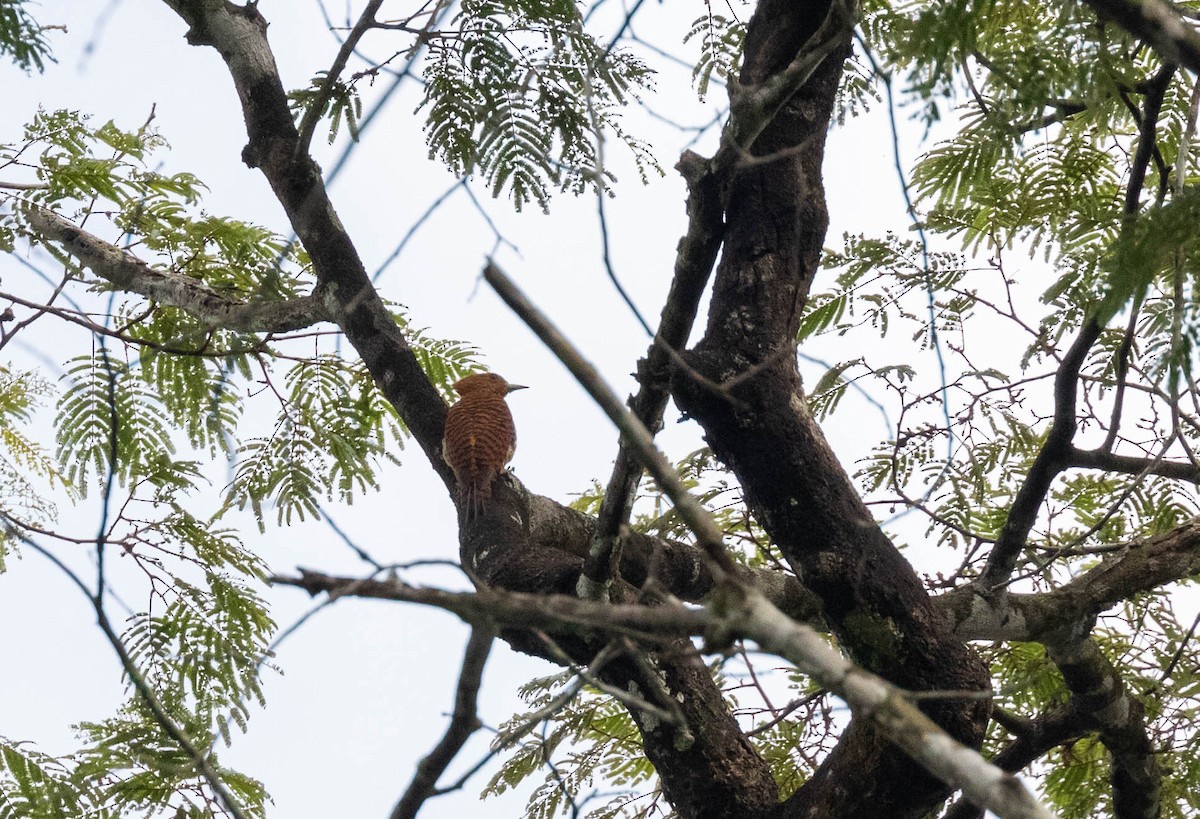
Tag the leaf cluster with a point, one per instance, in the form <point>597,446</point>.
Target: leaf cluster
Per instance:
<point>343,104</point>
<point>22,39</point>
<point>522,95</point>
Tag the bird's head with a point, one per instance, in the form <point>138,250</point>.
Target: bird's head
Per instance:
<point>485,383</point>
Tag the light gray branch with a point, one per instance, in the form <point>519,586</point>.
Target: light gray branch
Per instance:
<point>1102,694</point>
<point>1142,565</point>
<point>125,271</point>
<point>738,610</point>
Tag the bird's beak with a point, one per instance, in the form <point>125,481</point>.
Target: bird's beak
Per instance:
<point>514,388</point>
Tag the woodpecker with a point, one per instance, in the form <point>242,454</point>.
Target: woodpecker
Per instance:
<point>480,437</point>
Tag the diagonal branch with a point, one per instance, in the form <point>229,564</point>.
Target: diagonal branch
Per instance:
<point>1137,567</point>
<point>239,35</point>
<point>693,265</point>
<point>1130,465</point>
<point>312,116</point>
<point>127,272</point>
<point>1033,739</point>
<point>738,610</point>
<point>1102,694</point>
<point>708,535</point>
<point>463,723</point>
<point>1159,23</point>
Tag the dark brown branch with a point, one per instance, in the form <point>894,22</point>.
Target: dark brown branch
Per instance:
<point>1141,566</point>
<point>693,264</point>
<point>1035,737</point>
<point>1055,453</point>
<point>463,722</point>
<point>1122,371</point>
<point>1051,459</point>
<point>741,613</point>
<point>1147,147</point>
<point>313,115</point>
<point>1159,24</point>
<point>708,535</point>
<point>1130,465</point>
<point>239,35</point>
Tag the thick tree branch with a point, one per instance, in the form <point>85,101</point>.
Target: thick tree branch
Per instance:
<point>125,271</point>
<point>239,34</point>
<point>1100,692</point>
<point>737,613</point>
<point>1141,566</point>
<point>1033,739</point>
<point>1159,23</point>
<point>1129,465</point>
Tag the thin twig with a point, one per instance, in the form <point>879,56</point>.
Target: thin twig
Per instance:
<point>708,534</point>
<point>463,723</point>
<point>164,720</point>
<point>312,116</point>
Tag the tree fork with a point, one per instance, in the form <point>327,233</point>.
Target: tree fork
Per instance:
<point>775,227</point>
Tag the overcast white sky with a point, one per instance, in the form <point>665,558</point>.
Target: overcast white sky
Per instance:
<point>365,685</point>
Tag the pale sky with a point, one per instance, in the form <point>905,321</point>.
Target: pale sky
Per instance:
<point>365,685</point>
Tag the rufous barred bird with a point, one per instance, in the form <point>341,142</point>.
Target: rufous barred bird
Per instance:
<point>480,437</point>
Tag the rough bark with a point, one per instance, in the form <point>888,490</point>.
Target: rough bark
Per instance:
<point>874,602</point>
<point>775,222</point>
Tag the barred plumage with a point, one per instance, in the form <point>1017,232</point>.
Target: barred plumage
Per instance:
<point>480,437</point>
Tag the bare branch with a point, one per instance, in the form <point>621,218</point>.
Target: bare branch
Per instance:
<point>463,723</point>
<point>1159,24</point>
<point>127,272</point>
<point>1101,693</point>
<point>313,115</point>
<point>1050,461</point>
